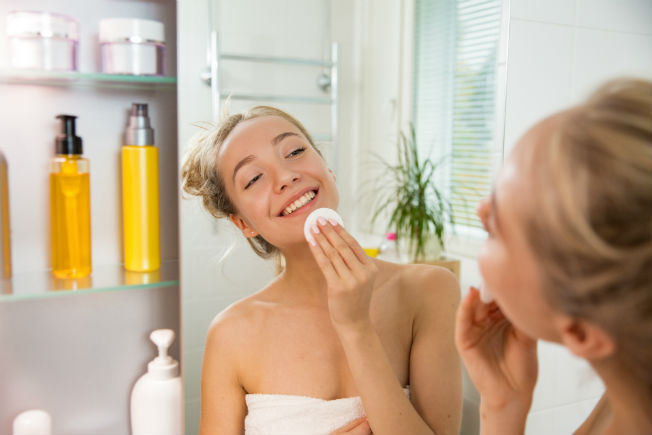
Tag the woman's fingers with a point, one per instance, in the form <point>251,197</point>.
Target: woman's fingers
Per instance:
<point>351,243</point>
<point>474,319</point>
<point>332,256</point>
<point>323,260</point>
<point>346,263</point>
<point>345,248</point>
<point>359,426</point>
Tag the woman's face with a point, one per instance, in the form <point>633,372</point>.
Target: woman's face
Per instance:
<point>274,178</point>
<point>507,263</point>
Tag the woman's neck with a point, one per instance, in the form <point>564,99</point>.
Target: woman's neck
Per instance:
<point>629,403</point>
<point>302,278</point>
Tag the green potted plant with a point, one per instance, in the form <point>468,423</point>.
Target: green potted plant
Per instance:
<point>418,211</point>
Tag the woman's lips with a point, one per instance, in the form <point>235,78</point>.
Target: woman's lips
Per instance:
<point>306,207</point>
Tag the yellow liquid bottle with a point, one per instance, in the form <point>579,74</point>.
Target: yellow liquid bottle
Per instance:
<point>140,194</point>
<point>70,214</point>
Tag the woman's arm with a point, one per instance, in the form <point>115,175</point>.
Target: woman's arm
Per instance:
<point>501,361</point>
<point>435,366</point>
<point>350,275</point>
<point>223,407</point>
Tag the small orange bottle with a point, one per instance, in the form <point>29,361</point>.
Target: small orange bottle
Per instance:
<point>70,211</point>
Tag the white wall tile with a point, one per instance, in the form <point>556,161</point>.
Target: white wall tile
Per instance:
<point>560,420</point>
<point>192,363</point>
<point>622,15</point>
<point>563,378</point>
<point>549,11</point>
<point>602,55</point>
<point>538,74</point>
<point>192,416</point>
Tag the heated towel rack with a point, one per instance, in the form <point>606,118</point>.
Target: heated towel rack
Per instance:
<point>326,82</point>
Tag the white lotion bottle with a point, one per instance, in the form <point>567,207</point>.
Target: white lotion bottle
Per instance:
<point>156,399</point>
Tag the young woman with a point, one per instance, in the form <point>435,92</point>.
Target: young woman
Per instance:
<point>569,260</point>
<point>337,335</point>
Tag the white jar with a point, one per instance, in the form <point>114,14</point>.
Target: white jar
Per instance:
<point>132,46</point>
<point>42,41</point>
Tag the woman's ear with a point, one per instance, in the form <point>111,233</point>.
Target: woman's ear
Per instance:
<point>585,339</point>
<point>243,226</point>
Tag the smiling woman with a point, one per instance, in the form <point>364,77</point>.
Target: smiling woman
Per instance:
<point>199,170</point>
<point>334,324</point>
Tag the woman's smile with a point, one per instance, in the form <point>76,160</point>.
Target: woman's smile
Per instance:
<point>300,203</point>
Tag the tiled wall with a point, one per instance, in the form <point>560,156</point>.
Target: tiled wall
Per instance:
<point>558,52</point>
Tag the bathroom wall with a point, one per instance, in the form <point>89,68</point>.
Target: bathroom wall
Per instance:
<point>559,51</point>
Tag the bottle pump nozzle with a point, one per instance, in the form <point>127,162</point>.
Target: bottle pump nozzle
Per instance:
<point>139,131</point>
<point>163,366</point>
<point>163,339</point>
<point>67,142</point>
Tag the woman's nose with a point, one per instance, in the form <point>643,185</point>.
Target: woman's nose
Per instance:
<point>285,178</point>
<point>482,208</point>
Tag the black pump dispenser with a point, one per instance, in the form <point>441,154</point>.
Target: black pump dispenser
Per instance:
<point>66,142</point>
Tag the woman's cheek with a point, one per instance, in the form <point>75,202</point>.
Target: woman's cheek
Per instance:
<point>489,264</point>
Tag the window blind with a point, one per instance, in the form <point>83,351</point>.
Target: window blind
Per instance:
<point>456,44</point>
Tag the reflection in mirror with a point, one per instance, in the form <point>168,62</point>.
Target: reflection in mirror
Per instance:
<point>383,78</point>
<point>443,67</point>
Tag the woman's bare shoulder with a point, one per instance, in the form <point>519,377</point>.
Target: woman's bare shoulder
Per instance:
<point>419,281</point>
<point>238,323</point>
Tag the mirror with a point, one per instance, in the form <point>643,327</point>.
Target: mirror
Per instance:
<point>555,55</point>
<point>287,59</point>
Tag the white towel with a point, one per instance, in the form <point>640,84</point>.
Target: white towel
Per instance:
<point>289,415</point>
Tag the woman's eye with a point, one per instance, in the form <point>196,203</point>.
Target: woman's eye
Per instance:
<point>252,181</point>
<point>297,152</point>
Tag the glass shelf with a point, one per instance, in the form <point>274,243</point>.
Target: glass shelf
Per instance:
<point>36,285</point>
<point>81,79</point>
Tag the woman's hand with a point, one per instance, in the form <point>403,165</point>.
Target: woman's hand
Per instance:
<point>501,361</point>
<point>349,274</point>
<point>359,426</point>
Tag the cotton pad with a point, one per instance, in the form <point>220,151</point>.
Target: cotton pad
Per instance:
<point>311,220</point>
<point>485,295</point>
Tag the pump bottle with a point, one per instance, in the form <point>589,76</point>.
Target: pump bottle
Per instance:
<point>140,197</point>
<point>156,399</point>
<point>70,211</point>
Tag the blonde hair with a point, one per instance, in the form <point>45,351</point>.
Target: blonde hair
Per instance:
<point>200,177</point>
<point>592,230</point>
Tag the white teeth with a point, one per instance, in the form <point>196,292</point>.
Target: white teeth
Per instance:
<point>303,200</point>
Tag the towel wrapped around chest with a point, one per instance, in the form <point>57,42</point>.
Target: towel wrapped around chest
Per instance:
<point>270,414</point>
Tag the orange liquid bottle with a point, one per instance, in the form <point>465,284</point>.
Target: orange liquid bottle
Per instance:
<point>70,205</point>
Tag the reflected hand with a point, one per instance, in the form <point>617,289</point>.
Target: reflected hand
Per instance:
<point>500,359</point>
<point>359,426</point>
<point>349,274</point>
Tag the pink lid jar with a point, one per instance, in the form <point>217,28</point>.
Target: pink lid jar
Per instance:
<point>42,41</point>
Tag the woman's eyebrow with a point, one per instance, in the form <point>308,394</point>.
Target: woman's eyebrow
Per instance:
<point>282,136</point>
<point>241,163</point>
<point>249,158</point>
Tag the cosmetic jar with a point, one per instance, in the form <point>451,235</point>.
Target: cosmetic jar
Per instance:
<point>42,41</point>
<point>132,46</point>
